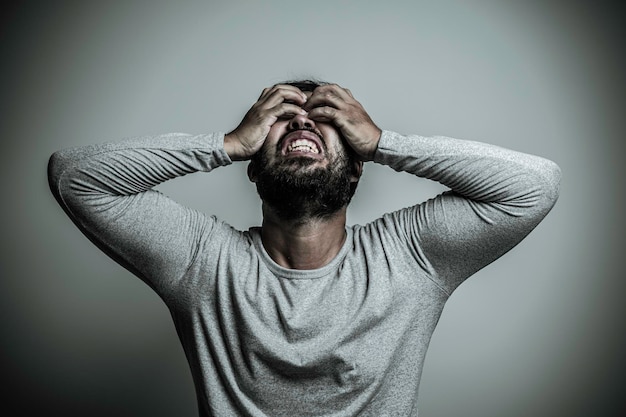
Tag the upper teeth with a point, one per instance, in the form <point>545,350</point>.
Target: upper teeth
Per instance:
<point>302,145</point>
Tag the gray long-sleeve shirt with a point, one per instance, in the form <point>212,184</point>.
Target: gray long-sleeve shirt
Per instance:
<point>346,339</point>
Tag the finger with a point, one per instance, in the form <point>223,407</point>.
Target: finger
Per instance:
<point>324,100</point>
<point>288,87</point>
<point>333,89</point>
<point>279,95</point>
<point>324,114</point>
<point>264,93</point>
<point>286,110</point>
<point>270,90</point>
<point>329,95</point>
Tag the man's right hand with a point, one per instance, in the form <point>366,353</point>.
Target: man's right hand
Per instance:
<point>274,103</point>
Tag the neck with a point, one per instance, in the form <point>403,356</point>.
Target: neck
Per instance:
<point>303,243</point>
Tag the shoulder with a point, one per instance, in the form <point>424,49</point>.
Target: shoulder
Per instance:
<point>392,232</point>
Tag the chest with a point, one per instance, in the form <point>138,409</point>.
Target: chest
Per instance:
<point>342,326</point>
<point>310,344</point>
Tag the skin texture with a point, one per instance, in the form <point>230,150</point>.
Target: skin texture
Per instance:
<point>283,113</point>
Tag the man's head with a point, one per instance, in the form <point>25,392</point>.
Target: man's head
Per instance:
<point>305,169</point>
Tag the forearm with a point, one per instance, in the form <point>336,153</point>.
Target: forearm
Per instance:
<point>134,165</point>
<point>477,171</point>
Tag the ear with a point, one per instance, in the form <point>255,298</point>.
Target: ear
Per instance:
<point>252,171</point>
<point>357,171</point>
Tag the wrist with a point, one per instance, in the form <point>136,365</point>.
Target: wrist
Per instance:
<point>372,146</point>
<point>232,146</point>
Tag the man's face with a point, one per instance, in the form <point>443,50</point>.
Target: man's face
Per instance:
<point>301,142</point>
<point>304,169</point>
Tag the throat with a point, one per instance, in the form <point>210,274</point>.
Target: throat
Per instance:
<point>304,246</point>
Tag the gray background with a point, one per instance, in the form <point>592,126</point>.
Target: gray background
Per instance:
<point>539,333</point>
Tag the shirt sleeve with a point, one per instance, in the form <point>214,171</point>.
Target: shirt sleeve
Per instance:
<point>107,191</point>
<point>497,196</point>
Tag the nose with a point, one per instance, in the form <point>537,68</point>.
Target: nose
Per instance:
<point>300,122</point>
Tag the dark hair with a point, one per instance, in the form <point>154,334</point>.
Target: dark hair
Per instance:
<point>305,85</point>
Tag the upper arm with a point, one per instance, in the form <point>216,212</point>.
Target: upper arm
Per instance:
<point>457,236</point>
<point>149,234</point>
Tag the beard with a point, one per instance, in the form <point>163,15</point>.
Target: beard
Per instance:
<point>297,191</point>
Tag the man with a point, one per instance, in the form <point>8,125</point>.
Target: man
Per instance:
<point>304,316</point>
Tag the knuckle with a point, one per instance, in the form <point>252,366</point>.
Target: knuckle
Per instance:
<point>328,95</point>
<point>324,88</point>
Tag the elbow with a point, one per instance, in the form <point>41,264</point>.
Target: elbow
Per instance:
<point>554,175</point>
<point>54,169</point>
<point>57,164</point>
<point>551,174</point>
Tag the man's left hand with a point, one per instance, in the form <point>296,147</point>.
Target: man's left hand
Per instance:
<point>334,104</point>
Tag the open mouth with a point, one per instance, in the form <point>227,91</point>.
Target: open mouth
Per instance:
<point>302,142</point>
<point>302,146</point>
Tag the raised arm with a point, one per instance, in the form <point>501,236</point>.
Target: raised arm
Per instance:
<point>497,195</point>
<point>107,192</point>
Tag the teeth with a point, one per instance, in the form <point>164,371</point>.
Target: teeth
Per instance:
<point>302,145</point>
